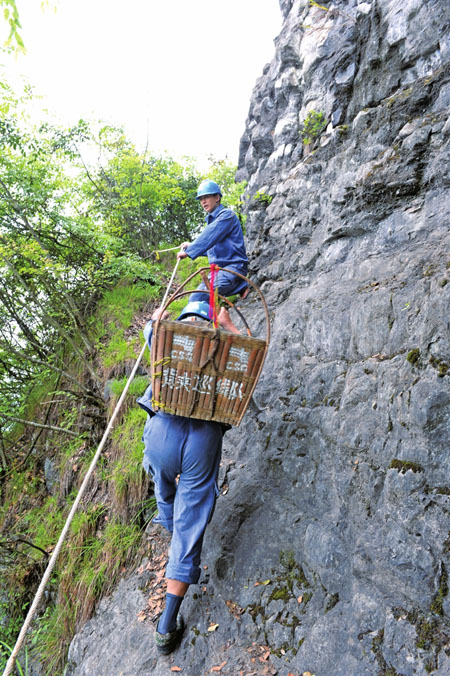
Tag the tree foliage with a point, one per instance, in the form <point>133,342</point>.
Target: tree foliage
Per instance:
<point>11,17</point>
<point>70,228</point>
<point>141,199</point>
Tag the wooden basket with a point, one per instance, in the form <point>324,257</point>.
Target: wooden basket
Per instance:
<point>202,372</point>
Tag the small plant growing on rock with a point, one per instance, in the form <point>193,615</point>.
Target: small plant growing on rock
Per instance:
<point>314,124</point>
<point>262,197</point>
<point>440,365</point>
<point>316,4</point>
<point>413,356</point>
<point>402,466</point>
<point>438,601</point>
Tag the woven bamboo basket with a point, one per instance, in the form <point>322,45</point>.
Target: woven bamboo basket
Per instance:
<point>202,372</point>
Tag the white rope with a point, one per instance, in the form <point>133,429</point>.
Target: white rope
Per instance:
<point>170,282</point>
<point>158,251</point>
<point>56,551</point>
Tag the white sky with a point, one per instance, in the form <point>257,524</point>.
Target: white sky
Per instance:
<point>180,70</point>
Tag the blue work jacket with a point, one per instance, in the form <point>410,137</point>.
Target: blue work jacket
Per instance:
<point>221,240</point>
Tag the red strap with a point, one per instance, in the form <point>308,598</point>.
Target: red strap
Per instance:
<point>212,296</point>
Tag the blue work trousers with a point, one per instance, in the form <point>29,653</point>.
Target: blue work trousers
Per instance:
<point>225,282</point>
<point>191,450</point>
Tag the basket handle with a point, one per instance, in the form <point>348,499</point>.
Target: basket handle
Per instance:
<point>177,296</point>
<point>178,292</point>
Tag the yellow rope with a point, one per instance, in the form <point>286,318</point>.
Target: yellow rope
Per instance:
<point>159,404</point>
<point>164,361</point>
<point>159,251</point>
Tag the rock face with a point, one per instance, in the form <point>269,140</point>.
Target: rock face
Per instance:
<point>331,542</point>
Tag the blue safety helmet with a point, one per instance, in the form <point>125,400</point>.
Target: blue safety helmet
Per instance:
<point>196,308</point>
<point>208,188</point>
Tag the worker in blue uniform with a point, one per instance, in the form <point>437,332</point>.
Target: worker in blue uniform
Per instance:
<point>183,456</point>
<point>221,240</point>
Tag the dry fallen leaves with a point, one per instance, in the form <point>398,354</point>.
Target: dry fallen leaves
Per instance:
<point>265,656</point>
<point>156,583</point>
<point>219,667</point>
<point>261,653</point>
<point>176,669</point>
<point>234,609</point>
<point>213,626</point>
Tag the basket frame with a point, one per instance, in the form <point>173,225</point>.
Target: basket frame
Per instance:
<point>156,352</point>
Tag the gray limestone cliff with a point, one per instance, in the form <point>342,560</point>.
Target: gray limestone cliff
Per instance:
<point>329,550</point>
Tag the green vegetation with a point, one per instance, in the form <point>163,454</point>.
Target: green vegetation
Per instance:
<point>437,603</point>
<point>314,124</point>
<point>377,644</point>
<point>262,197</point>
<point>403,94</point>
<point>79,281</point>
<point>440,365</point>
<point>7,649</point>
<point>413,356</point>
<point>105,536</point>
<point>432,633</point>
<point>316,4</point>
<point>14,41</point>
<point>291,574</point>
<point>402,466</point>
<point>283,585</point>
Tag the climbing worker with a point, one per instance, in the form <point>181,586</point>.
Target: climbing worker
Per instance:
<point>222,241</point>
<point>182,455</point>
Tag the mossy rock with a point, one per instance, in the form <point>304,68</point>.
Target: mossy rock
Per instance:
<point>402,466</point>
<point>413,356</point>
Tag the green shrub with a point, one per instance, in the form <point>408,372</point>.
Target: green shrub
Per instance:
<point>262,197</point>
<point>315,122</point>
